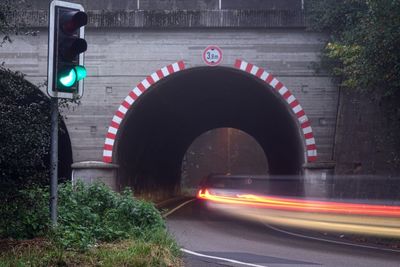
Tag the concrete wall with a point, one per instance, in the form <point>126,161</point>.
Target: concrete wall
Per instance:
<point>175,4</point>
<point>118,58</point>
<point>178,19</point>
<point>367,138</point>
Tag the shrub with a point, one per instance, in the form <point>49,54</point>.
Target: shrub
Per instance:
<point>25,214</point>
<point>92,213</point>
<point>87,214</point>
<point>24,135</point>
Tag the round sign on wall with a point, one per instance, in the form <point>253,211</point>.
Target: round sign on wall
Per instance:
<point>212,55</point>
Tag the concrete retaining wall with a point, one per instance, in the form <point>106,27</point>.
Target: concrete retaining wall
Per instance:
<point>175,4</point>
<point>117,59</point>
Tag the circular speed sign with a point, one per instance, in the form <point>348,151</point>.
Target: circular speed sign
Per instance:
<point>212,55</point>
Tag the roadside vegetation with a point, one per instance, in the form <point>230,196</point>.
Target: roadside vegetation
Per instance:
<point>96,227</point>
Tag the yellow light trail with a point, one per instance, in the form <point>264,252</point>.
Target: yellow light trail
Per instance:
<point>366,219</point>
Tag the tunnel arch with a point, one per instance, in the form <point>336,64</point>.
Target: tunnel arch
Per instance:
<point>150,140</point>
<point>290,99</point>
<point>133,95</point>
<point>239,64</point>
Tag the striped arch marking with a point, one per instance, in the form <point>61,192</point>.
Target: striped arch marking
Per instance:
<point>290,99</point>
<point>239,64</point>
<point>129,100</point>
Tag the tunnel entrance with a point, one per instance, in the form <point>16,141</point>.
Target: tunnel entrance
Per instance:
<point>221,151</point>
<point>162,123</point>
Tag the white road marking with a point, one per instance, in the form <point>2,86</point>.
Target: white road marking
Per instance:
<point>203,255</point>
<point>180,206</point>
<point>329,241</point>
<point>219,258</point>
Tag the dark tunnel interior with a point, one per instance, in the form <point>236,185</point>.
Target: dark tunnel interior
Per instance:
<point>167,118</point>
<point>64,153</point>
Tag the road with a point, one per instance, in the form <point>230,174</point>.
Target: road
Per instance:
<point>215,240</point>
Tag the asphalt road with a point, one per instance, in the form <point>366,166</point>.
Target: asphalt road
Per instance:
<point>215,240</point>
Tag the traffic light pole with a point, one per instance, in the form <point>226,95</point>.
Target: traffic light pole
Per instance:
<point>54,160</point>
<point>65,73</point>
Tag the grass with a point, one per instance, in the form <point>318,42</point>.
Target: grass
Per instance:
<point>130,252</point>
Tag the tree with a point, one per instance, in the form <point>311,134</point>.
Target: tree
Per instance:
<point>363,49</point>
<point>24,135</point>
<point>10,23</point>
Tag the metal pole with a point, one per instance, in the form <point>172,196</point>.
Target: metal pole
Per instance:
<point>54,160</point>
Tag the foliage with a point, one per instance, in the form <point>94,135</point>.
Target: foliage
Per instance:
<point>26,215</point>
<point>24,135</point>
<point>10,23</point>
<point>87,215</point>
<point>364,41</point>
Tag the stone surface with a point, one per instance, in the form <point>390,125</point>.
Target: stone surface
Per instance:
<point>95,171</point>
<point>179,18</point>
<point>117,59</point>
<point>175,4</point>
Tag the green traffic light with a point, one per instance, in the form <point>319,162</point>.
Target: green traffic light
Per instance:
<point>73,75</point>
<point>81,72</point>
<point>69,79</point>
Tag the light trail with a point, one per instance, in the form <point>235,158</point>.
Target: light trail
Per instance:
<point>366,219</point>
<point>302,205</point>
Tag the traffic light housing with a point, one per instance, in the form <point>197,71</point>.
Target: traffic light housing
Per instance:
<point>66,47</point>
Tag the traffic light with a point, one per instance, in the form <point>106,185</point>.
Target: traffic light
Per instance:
<point>66,47</point>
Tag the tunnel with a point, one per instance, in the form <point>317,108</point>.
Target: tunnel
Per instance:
<point>221,151</point>
<point>162,123</point>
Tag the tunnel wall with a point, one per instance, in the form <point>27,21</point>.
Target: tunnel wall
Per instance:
<point>117,59</point>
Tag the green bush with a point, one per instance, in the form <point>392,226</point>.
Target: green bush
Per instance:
<point>87,214</point>
<point>25,214</point>
<point>92,213</point>
<point>25,134</point>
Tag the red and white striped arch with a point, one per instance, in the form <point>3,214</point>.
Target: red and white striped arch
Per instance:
<point>239,64</point>
<point>129,100</point>
<point>290,100</point>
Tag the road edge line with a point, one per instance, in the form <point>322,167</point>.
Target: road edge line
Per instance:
<point>219,258</point>
<point>329,241</point>
<point>178,207</point>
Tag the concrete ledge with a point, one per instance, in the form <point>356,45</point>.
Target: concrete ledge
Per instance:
<point>180,18</point>
<point>320,165</point>
<point>96,171</point>
<point>318,179</point>
<point>93,164</point>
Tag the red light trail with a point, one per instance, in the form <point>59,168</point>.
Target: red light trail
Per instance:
<point>302,205</point>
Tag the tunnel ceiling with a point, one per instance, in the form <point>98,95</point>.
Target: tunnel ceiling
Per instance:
<point>168,117</point>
